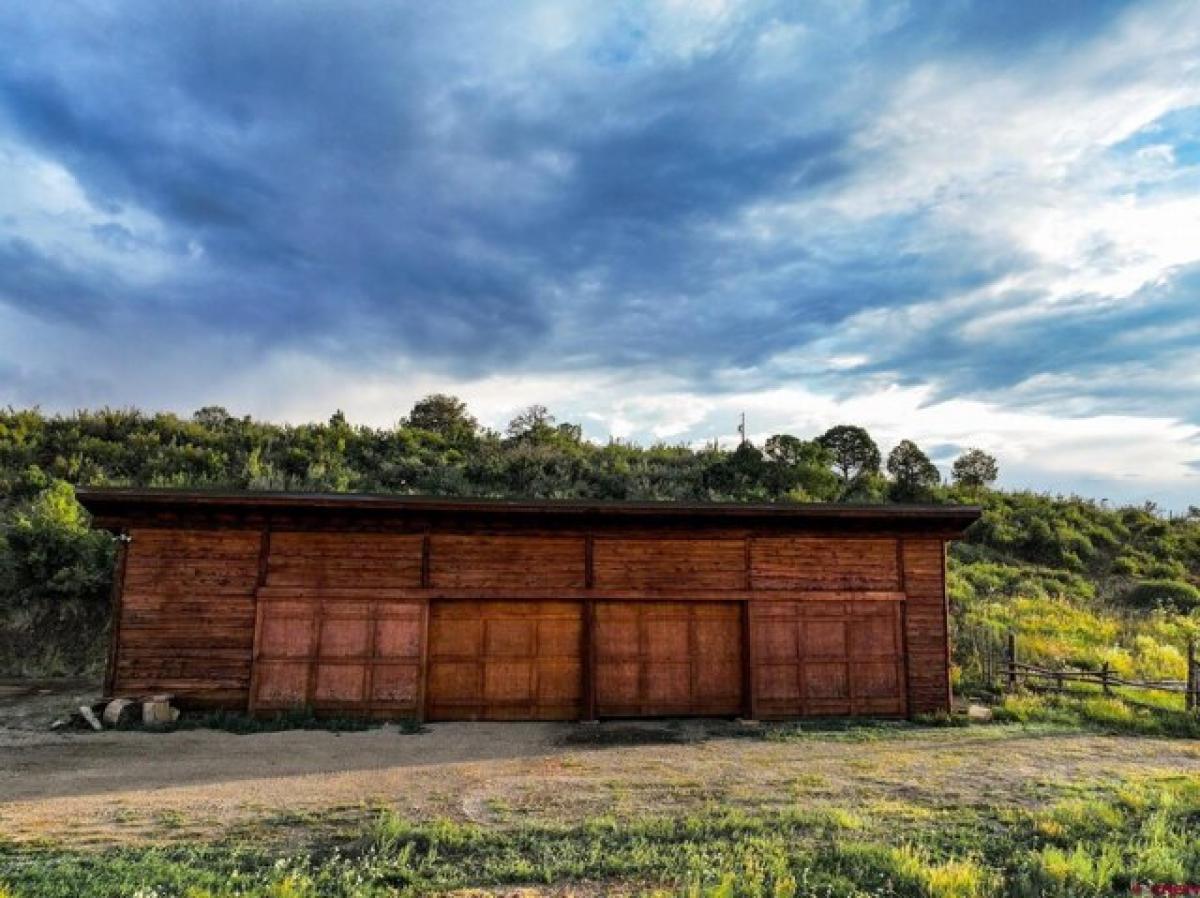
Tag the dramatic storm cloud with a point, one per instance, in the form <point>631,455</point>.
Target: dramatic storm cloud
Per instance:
<point>964,223</point>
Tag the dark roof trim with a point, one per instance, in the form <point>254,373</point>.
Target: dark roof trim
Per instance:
<point>111,502</point>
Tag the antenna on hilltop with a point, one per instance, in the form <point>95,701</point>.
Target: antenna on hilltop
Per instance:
<point>742,428</point>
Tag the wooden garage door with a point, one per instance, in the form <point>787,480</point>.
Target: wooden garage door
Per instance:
<point>505,660</point>
<point>668,658</point>
<point>356,657</point>
<point>827,658</point>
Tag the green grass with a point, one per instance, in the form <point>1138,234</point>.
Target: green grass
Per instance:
<point>1092,844</point>
<point>850,729</point>
<point>1125,714</point>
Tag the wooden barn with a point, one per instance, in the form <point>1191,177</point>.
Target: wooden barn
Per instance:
<point>466,609</point>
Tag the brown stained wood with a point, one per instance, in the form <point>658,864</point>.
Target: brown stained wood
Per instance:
<point>679,565</point>
<point>211,509</point>
<point>423,669</point>
<point>295,603</point>
<point>926,636</point>
<point>668,659</point>
<point>588,651</point>
<point>505,661</point>
<point>828,659</point>
<point>945,628</point>
<point>903,624</point>
<point>362,659</point>
<point>116,614</point>
<point>651,595</point>
<point>823,564</point>
<point>186,614</point>
<point>500,562</point>
<point>264,554</point>
<point>749,705</point>
<point>328,561</point>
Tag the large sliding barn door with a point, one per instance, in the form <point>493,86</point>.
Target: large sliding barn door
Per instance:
<point>505,660</point>
<point>327,637</point>
<point>668,658</point>
<point>814,658</point>
<point>338,656</point>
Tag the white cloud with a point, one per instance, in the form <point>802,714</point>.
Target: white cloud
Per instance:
<point>44,205</point>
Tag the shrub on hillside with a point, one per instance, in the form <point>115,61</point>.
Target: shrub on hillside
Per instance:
<point>1154,593</point>
<point>55,576</point>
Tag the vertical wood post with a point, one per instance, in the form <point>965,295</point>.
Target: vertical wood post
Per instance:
<point>748,711</point>
<point>947,652</point>
<point>1104,675</point>
<point>264,560</point>
<point>264,554</point>
<point>117,594</point>
<point>589,661</point>
<point>426,617</point>
<point>589,633</point>
<point>425,550</point>
<point>1010,656</point>
<point>423,673</point>
<point>902,571</point>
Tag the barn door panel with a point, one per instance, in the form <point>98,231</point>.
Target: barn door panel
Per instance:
<point>505,660</point>
<point>822,658</point>
<point>338,656</point>
<point>668,658</point>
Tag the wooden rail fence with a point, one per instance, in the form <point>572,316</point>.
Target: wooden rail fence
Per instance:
<point>1016,673</point>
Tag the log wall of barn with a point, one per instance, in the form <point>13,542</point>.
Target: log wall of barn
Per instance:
<point>818,623</point>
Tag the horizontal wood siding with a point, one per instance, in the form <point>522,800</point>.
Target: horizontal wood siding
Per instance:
<point>499,562</point>
<point>678,565</point>
<point>786,563</point>
<point>354,560</point>
<point>926,630</point>
<point>187,615</point>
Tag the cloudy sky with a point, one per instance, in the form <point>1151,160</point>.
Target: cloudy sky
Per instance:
<point>970,224</point>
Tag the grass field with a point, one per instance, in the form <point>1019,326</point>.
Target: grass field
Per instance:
<point>1055,808</point>
<point>1090,843</point>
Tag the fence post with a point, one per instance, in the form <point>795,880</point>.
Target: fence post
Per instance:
<point>1193,686</point>
<point>1104,679</point>
<point>1011,657</point>
<point>989,660</point>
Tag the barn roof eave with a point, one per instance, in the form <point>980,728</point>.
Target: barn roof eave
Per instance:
<point>114,504</point>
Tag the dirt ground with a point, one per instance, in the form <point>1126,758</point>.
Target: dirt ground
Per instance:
<point>114,787</point>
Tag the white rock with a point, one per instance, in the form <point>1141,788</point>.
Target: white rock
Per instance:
<point>115,712</point>
<point>979,712</point>
<point>158,711</point>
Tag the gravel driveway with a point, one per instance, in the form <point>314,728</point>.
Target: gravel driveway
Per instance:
<point>112,787</point>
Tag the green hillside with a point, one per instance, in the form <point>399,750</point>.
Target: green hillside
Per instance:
<point>1080,582</point>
